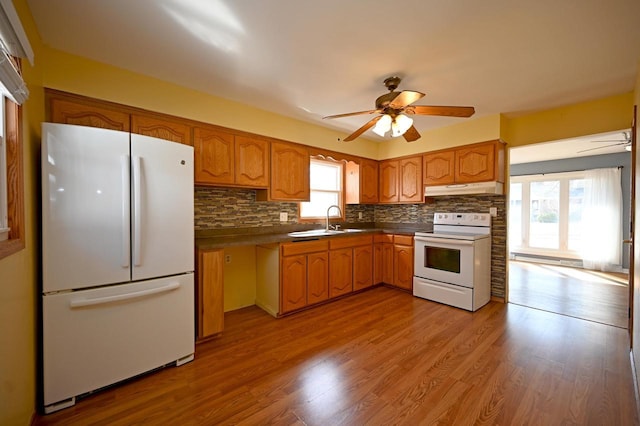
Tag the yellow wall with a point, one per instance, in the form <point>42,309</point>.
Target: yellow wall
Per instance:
<point>86,77</point>
<point>582,119</point>
<point>18,272</point>
<point>240,278</point>
<point>466,132</point>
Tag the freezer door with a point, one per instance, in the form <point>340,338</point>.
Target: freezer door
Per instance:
<point>162,207</point>
<point>85,207</point>
<point>97,337</point>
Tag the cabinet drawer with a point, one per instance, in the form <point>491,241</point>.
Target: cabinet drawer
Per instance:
<point>338,243</point>
<point>302,247</point>
<point>383,238</point>
<point>403,240</point>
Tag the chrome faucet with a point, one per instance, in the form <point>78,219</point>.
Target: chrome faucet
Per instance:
<point>329,226</point>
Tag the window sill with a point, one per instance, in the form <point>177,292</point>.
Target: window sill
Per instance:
<point>9,247</point>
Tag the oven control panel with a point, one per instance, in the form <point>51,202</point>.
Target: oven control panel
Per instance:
<point>464,219</point>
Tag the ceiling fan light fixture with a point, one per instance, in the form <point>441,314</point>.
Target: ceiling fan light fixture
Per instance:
<point>400,125</point>
<point>383,125</point>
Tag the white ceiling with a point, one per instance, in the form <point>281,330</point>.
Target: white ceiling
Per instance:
<point>309,59</point>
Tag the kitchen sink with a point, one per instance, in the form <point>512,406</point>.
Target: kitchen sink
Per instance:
<point>322,232</point>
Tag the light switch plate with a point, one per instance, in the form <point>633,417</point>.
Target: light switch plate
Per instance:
<point>284,216</point>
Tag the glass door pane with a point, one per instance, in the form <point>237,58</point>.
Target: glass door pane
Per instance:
<point>544,214</point>
<point>576,199</point>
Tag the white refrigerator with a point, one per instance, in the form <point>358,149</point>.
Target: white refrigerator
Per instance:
<point>117,258</point>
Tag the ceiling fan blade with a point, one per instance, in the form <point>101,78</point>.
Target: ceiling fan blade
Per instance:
<point>362,129</point>
<point>450,111</point>
<point>411,134</point>
<point>404,98</point>
<point>601,147</point>
<point>349,114</point>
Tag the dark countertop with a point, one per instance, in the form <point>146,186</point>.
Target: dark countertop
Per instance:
<point>212,239</point>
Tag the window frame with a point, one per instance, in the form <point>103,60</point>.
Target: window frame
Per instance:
<point>341,193</point>
<point>563,209</point>
<point>14,178</point>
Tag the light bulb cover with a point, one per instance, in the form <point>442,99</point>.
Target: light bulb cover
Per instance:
<point>400,125</point>
<point>383,125</point>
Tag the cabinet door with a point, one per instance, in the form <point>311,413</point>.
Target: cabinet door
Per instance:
<point>476,163</point>
<point>214,156</point>
<point>387,263</point>
<point>377,263</point>
<point>362,267</point>
<point>289,172</point>
<point>368,181</point>
<point>340,272</point>
<point>293,273</point>
<point>210,293</point>
<point>317,277</point>
<point>174,131</point>
<point>251,162</point>
<point>68,112</point>
<point>410,177</point>
<point>388,181</point>
<point>438,168</point>
<point>403,267</point>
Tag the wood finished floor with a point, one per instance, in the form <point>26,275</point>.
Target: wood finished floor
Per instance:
<point>590,295</point>
<point>383,357</point>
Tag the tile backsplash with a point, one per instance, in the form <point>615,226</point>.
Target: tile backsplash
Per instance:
<point>219,208</point>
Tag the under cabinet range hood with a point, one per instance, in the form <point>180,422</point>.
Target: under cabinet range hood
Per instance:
<point>464,189</point>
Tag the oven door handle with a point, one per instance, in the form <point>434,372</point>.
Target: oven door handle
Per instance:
<point>444,241</point>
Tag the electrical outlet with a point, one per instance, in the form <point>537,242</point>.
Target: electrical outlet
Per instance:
<point>359,215</point>
<point>493,211</point>
<point>227,258</point>
<point>284,216</point>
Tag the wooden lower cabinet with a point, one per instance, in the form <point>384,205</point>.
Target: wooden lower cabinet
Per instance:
<point>294,283</point>
<point>304,274</point>
<point>362,267</point>
<point>340,272</point>
<point>317,277</point>
<point>209,293</point>
<point>393,260</point>
<point>403,262</point>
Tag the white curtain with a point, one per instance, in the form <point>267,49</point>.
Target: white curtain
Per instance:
<point>602,219</point>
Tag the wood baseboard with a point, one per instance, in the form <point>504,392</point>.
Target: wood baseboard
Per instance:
<point>497,299</point>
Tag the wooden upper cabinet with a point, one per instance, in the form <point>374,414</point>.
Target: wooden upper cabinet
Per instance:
<point>401,181</point>
<point>214,156</point>
<point>361,182</point>
<point>289,173</point>
<point>438,168</point>
<point>251,162</point>
<point>481,162</point>
<point>410,178</point>
<point>388,181</point>
<point>81,114</point>
<point>477,163</point>
<point>170,130</point>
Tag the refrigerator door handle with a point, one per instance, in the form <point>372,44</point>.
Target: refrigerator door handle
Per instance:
<point>120,297</point>
<point>137,223</point>
<point>124,167</point>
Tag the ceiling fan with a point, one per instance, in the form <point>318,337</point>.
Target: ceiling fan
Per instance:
<point>626,141</point>
<point>394,107</point>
